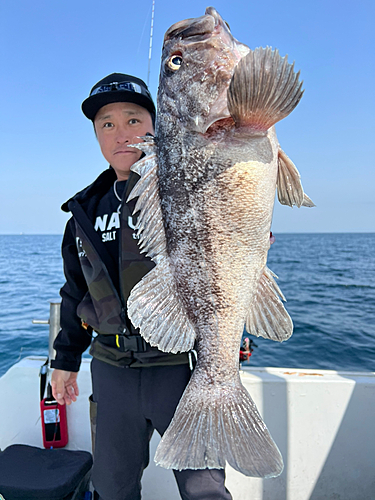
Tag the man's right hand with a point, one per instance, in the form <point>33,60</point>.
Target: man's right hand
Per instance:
<point>64,386</point>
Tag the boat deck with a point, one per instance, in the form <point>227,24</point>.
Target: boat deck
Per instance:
<point>322,421</point>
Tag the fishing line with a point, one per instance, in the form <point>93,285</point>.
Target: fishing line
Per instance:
<point>143,32</point>
<point>151,32</point>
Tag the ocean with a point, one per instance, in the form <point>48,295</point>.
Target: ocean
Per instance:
<point>327,279</point>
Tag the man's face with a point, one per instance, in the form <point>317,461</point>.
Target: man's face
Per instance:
<point>117,125</point>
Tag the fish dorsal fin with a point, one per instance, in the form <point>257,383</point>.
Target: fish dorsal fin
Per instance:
<point>153,304</point>
<point>264,89</point>
<point>289,188</point>
<point>268,317</point>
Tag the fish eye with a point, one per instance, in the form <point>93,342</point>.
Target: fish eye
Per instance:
<point>174,62</point>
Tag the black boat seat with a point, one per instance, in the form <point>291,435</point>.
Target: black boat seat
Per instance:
<point>31,473</point>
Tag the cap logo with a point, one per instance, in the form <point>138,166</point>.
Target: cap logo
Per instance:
<point>116,86</point>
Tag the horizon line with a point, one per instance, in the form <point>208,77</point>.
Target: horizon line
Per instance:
<point>275,233</point>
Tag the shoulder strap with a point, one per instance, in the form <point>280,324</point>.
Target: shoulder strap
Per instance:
<point>88,228</point>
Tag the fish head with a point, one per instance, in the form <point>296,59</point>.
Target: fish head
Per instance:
<point>198,60</point>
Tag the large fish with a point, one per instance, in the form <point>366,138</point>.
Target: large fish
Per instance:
<point>206,197</point>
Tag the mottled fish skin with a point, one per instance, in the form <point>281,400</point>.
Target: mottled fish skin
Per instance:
<point>216,184</point>
<point>194,165</point>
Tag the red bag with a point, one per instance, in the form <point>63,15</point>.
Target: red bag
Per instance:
<point>54,422</point>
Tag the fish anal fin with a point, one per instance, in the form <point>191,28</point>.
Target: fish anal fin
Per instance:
<point>289,187</point>
<point>267,316</point>
<point>264,89</point>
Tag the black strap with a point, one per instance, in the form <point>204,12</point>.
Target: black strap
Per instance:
<point>124,343</point>
<point>43,378</point>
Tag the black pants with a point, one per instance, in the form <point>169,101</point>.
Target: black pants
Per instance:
<point>131,403</point>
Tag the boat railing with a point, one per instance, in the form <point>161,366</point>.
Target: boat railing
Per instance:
<point>54,325</point>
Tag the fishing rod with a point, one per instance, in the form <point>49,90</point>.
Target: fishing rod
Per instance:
<point>151,32</point>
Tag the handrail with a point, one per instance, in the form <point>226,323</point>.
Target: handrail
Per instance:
<point>54,325</point>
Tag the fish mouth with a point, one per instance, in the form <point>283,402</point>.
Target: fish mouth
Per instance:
<point>201,27</point>
<point>219,21</point>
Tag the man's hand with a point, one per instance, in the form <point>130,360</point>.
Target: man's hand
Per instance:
<point>64,386</point>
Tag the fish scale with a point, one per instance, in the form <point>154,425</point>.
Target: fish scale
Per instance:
<point>205,200</point>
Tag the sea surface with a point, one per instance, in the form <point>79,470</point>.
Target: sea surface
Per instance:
<point>328,280</point>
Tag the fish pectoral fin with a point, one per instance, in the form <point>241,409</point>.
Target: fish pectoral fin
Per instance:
<point>289,188</point>
<point>264,89</point>
<point>154,308</point>
<point>268,317</point>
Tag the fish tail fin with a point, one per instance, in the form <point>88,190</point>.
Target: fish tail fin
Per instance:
<point>213,425</point>
<point>264,89</point>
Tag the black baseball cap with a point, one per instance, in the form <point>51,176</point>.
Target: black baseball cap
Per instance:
<point>118,87</point>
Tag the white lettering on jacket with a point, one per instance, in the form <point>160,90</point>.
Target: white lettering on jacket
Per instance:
<point>104,226</point>
<point>110,236</point>
<point>101,222</point>
<point>114,221</point>
<point>132,226</point>
<point>81,252</point>
<point>130,222</point>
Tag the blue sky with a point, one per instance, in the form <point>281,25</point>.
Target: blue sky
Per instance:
<point>52,53</point>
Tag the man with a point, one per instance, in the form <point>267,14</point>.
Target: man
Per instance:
<point>136,387</point>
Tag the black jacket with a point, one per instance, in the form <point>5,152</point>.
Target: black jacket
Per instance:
<point>97,287</point>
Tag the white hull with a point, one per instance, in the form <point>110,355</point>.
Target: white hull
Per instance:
<point>322,421</point>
